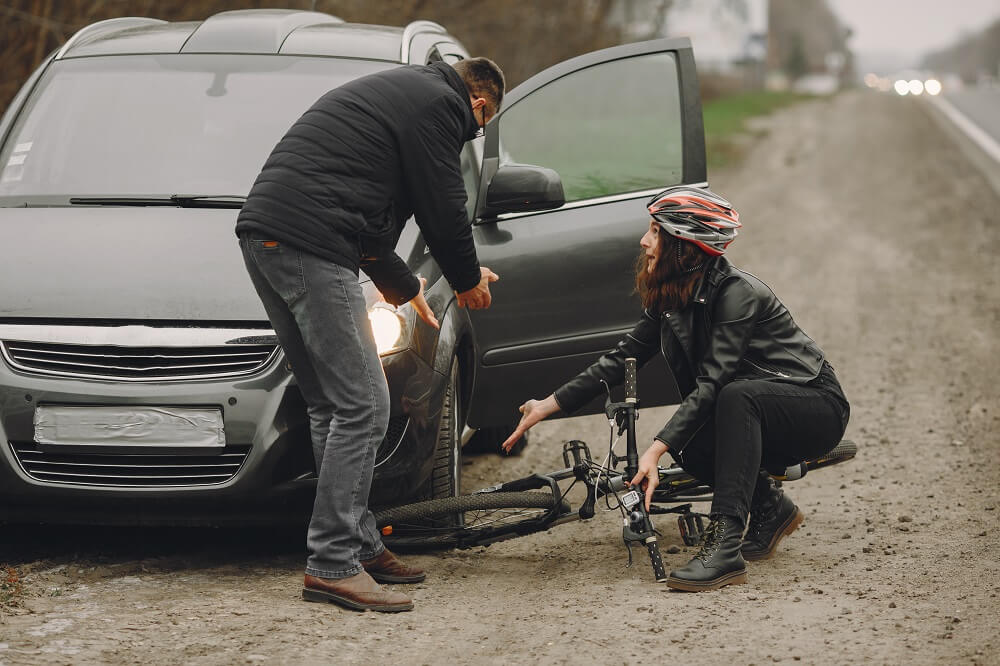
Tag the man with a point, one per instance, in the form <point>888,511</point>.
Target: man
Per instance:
<point>332,198</point>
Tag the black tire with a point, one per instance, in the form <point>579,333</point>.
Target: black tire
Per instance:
<point>459,521</point>
<point>685,486</point>
<point>446,479</point>
<point>488,440</point>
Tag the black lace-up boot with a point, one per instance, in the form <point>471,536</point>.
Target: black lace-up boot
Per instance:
<point>718,562</point>
<point>773,515</point>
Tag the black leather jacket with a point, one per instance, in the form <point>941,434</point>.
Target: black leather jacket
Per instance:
<point>735,328</point>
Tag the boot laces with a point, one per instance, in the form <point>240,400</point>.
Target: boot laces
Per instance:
<point>712,538</point>
<point>765,513</point>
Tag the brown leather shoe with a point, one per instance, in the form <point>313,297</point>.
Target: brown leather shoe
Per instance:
<point>358,592</point>
<point>387,568</point>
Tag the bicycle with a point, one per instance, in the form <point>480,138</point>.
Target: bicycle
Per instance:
<point>516,508</point>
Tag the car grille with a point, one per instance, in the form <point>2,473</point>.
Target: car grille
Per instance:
<point>138,363</point>
<point>146,471</point>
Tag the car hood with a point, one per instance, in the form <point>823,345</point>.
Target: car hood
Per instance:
<point>124,263</point>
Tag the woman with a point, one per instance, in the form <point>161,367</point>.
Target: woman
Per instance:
<point>759,393</point>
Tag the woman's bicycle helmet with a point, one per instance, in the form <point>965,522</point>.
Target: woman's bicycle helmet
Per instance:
<point>697,215</point>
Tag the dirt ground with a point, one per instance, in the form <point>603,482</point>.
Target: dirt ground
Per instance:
<point>873,227</point>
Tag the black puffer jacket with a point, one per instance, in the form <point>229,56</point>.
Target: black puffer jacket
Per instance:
<point>735,328</point>
<point>361,161</point>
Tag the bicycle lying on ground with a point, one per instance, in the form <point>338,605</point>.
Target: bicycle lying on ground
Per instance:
<point>517,508</point>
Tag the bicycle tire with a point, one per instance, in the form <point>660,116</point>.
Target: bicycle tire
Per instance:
<point>684,486</point>
<point>413,525</point>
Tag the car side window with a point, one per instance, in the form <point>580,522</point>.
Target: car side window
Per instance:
<point>608,129</point>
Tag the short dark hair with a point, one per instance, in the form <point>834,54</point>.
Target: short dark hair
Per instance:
<point>484,79</point>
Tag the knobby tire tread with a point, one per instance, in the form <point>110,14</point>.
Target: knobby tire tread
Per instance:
<point>415,515</point>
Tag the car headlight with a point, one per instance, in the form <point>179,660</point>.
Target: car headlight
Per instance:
<point>387,326</point>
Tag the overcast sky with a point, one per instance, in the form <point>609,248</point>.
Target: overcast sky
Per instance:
<point>912,28</point>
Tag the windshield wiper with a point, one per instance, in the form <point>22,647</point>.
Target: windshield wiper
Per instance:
<point>182,200</point>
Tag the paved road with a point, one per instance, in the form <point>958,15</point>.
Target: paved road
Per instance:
<point>981,106</point>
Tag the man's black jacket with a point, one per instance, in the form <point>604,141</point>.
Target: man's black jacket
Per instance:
<point>735,328</point>
<point>363,159</point>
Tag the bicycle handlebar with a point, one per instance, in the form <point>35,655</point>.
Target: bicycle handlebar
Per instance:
<point>631,395</point>
<point>654,557</point>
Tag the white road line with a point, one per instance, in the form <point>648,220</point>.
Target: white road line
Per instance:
<point>985,142</point>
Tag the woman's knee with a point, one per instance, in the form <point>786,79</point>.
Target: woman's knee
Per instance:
<point>734,398</point>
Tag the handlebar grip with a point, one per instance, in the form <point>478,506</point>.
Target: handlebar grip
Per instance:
<point>654,557</point>
<point>630,389</point>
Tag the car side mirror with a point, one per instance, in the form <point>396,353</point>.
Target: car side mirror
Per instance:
<point>523,188</point>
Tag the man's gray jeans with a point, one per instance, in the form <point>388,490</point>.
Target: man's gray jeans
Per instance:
<point>318,312</point>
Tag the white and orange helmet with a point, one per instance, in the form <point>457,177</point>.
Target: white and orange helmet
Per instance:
<point>697,215</point>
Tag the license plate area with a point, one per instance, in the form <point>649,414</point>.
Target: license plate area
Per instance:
<point>134,430</point>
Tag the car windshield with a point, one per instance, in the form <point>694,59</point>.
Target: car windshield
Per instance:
<point>160,124</point>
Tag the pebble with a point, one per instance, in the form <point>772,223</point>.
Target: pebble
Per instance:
<point>673,550</point>
<point>892,604</point>
<point>906,519</point>
<point>845,535</point>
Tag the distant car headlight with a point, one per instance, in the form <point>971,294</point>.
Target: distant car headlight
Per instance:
<point>916,87</point>
<point>901,87</point>
<point>932,86</point>
<point>387,325</point>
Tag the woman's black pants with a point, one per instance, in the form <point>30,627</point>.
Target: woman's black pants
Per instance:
<point>761,424</point>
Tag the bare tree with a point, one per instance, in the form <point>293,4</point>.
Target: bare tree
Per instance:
<point>524,36</point>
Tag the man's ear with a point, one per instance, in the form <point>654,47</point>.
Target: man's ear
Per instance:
<point>477,102</point>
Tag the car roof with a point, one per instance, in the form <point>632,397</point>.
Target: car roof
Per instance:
<point>254,31</point>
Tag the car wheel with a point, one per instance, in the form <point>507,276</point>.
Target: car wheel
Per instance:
<point>488,440</point>
<point>446,479</point>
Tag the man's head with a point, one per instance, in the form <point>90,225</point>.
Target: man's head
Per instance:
<point>485,82</point>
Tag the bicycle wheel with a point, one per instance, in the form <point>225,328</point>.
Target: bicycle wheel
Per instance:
<point>463,521</point>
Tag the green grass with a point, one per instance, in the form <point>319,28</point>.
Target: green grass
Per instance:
<point>725,121</point>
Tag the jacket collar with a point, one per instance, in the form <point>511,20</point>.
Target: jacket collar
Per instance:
<point>458,85</point>
<point>717,270</point>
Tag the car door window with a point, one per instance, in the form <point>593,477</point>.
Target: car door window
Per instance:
<point>608,129</point>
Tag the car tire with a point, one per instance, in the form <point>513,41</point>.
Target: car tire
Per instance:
<point>488,440</point>
<point>446,479</point>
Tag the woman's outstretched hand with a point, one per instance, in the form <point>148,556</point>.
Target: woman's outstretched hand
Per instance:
<point>532,412</point>
<point>648,476</point>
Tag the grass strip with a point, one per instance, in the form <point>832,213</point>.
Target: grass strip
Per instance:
<point>726,118</point>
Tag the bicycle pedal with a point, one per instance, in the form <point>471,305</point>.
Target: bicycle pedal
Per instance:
<point>692,527</point>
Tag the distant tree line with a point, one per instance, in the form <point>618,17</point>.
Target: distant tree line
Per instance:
<point>972,57</point>
<point>523,36</point>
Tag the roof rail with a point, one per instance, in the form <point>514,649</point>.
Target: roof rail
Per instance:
<point>101,27</point>
<point>411,31</point>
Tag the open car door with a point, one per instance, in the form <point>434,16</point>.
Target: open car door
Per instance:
<point>618,126</point>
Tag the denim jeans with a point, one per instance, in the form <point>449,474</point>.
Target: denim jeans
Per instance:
<point>761,425</point>
<point>318,312</point>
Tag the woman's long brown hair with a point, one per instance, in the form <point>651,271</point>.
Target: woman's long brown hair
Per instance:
<point>670,287</point>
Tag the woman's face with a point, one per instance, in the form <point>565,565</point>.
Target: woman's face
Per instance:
<point>650,242</point>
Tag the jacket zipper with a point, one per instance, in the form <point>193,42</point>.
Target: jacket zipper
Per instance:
<point>767,370</point>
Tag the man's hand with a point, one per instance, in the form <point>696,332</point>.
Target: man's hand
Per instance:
<point>478,298</point>
<point>649,473</point>
<point>419,303</point>
<point>532,412</point>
